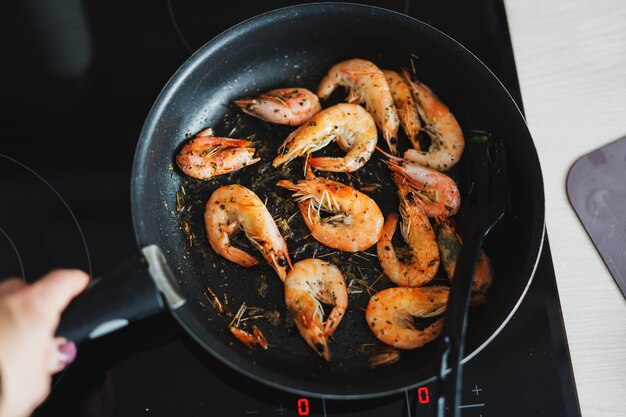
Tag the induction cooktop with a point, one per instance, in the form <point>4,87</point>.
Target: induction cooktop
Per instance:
<point>84,76</point>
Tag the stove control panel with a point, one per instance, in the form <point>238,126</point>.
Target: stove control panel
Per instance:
<point>413,403</point>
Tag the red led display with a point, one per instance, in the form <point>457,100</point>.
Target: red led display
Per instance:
<point>303,407</point>
<point>422,395</point>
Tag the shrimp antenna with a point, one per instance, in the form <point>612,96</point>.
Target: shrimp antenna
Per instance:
<point>412,60</point>
<point>388,155</point>
<point>306,165</point>
<point>308,171</point>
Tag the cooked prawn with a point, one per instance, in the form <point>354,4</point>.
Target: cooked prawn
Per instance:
<point>234,206</point>
<point>356,222</point>
<point>366,84</point>
<point>285,106</point>
<point>350,125</point>
<point>437,193</point>
<point>405,106</point>
<point>390,314</point>
<point>449,246</point>
<point>207,156</point>
<point>310,282</point>
<point>423,254</point>
<point>447,142</point>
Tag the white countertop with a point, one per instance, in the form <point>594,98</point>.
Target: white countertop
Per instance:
<point>571,62</point>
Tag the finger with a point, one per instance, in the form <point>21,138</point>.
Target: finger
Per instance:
<point>11,285</point>
<point>59,287</point>
<point>64,353</point>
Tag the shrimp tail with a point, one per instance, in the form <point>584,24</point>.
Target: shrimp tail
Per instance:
<point>329,164</point>
<point>334,318</point>
<point>326,87</point>
<point>240,257</point>
<point>391,223</point>
<point>291,148</point>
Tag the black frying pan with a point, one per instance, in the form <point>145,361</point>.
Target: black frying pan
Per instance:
<point>295,46</point>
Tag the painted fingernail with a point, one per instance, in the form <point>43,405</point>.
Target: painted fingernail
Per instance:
<point>67,352</point>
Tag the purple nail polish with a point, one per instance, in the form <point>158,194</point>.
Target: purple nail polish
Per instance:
<point>67,352</point>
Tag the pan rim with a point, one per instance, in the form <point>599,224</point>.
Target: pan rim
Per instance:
<point>265,375</point>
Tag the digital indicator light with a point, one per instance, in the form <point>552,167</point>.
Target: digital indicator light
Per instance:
<point>303,407</point>
<point>423,396</point>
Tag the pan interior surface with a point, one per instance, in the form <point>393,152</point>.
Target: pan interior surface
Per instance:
<point>294,47</point>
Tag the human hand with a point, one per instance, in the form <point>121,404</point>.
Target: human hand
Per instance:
<point>29,352</point>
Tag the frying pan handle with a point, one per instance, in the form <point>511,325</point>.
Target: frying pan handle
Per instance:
<point>135,290</point>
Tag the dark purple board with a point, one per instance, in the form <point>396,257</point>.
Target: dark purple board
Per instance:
<point>596,186</point>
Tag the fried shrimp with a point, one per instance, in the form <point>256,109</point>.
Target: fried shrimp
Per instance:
<point>366,84</point>
<point>285,106</point>
<point>309,283</point>
<point>447,142</point>
<point>437,193</point>
<point>350,125</point>
<point>449,243</point>
<point>355,223</point>
<point>422,260</point>
<point>206,156</point>
<point>405,106</point>
<point>232,207</point>
<point>390,314</point>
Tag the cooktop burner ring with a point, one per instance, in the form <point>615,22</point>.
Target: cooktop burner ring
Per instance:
<point>34,224</point>
<point>18,258</point>
<point>177,28</point>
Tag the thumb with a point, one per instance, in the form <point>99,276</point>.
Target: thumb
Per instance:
<point>11,285</point>
<point>60,286</point>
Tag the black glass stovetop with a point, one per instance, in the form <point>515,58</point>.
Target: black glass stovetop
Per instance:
<point>83,76</point>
